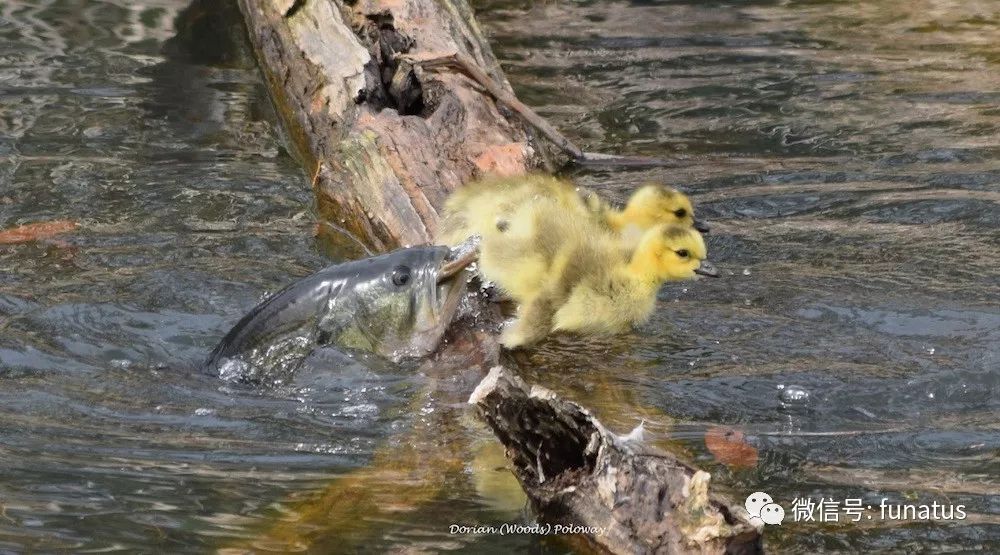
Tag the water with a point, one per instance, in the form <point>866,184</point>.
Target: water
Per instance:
<point>846,155</point>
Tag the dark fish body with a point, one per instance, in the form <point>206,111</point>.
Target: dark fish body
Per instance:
<point>390,305</point>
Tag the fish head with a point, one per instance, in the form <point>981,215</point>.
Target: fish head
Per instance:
<point>397,305</point>
<point>401,304</point>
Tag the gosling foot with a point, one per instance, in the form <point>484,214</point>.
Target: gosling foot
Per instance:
<point>514,336</point>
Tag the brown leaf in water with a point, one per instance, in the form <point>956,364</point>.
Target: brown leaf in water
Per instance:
<point>33,232</point>
<point>730,448</point>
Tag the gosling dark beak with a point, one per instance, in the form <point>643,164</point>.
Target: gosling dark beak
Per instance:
<point>702,226</point>
<point>706,269</point>
<point>452,267</point>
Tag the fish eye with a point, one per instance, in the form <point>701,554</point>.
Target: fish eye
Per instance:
<point>400,276</point>
<point>683,253</point>
<point>680,212</point>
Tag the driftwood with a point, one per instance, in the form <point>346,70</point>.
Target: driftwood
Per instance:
<point>391,105</point>
<point>384,139</point>
<point>629,499</point>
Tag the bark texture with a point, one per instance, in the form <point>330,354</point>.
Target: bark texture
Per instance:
<point>576,472</point>
<point>386,141</point>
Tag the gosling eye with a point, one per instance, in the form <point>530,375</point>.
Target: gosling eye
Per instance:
<point>400,276</point>
<point>680,212</point>
<point>683,253</point>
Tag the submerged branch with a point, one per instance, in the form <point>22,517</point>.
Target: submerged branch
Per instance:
<point>631,498</point>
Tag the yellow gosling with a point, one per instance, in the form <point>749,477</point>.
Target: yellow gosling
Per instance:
<point>478,207</point>
<point>620,296</point>
<point>518,253</point>
<point>650,205</point>
<point>571,275</point>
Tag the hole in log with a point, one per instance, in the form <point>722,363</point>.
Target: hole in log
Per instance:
<point>543,442</point>
<point>391,84</point>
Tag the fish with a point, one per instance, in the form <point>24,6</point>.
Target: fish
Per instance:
<point>396,305</point>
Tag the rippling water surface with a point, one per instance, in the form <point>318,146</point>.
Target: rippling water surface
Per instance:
<point>847,155</point>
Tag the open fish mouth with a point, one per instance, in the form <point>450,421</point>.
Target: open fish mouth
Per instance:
<point>398,305</point>
<point>459,258</point>
<point>455,264</point>
<point>436,304</point>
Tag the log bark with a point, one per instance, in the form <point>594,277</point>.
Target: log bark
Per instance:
<point>576,472</point>
<point>385,140</point>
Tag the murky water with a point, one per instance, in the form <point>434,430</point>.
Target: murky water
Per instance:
<point>847,155</point>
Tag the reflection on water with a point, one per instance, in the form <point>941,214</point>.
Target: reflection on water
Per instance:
<point>846,154</point>
<point>848,157</point>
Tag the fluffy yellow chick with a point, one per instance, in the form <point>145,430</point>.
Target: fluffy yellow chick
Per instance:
<point>652,204</point>
<point>478,207</point>
<point>569,274</point>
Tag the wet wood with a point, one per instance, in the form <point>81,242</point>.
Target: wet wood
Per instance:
<point>391,105</point>
<point>630,498</point>
<point>385,140</point>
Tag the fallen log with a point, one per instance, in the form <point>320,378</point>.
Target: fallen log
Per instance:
<point>384,140</point>
<point>625,497</point>
<point>391,105</point>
